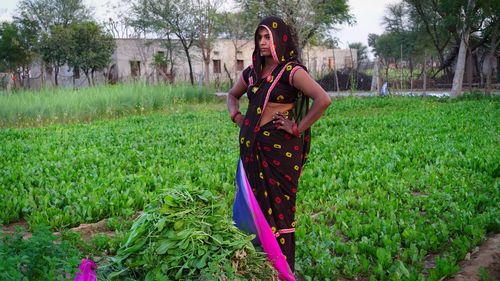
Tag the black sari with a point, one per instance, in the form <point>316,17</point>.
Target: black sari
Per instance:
<point>271,160</point>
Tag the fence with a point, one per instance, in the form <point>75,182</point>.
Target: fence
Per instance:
<point>371,76</point>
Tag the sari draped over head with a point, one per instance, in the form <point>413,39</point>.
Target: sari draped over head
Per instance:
<point>271,160</point>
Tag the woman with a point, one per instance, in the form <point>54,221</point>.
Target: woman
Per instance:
<point>274,140</point>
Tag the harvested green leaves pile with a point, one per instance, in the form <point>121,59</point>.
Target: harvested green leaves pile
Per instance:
<point>184,234</point>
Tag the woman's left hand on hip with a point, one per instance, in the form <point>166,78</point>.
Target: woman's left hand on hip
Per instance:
<point>282,123</point>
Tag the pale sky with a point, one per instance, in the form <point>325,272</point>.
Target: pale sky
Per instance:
<point>368,16</point>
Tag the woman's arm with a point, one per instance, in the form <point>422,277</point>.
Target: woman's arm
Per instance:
<point>303,81</point>
<point>233,100</point>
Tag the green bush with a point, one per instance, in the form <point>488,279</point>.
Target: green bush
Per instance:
<point>41,257</point>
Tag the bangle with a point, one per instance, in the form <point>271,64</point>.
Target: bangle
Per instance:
<point>234,114</point>
<point>295,130</point>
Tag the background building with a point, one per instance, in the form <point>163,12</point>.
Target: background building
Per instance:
<point>137,59</point>
<point>134,58</point>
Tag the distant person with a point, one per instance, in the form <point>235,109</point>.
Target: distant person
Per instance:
<point>274,140</point>
<point>385,89</point>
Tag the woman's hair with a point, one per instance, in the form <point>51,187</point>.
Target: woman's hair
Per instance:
<point>282,45</point>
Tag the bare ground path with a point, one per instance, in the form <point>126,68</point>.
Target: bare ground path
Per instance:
<point>486,256</point>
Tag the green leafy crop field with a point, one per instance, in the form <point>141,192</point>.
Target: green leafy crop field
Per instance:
<point>392,184</point>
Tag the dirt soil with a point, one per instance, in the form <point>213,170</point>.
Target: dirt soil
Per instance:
<point>87,231</point>
<point>11,228</point>
<point>487,256</point>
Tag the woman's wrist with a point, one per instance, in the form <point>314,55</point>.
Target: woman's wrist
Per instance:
<point>234,114</point>
<point>295,130</point>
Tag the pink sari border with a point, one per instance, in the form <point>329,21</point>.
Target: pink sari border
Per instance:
<point>264,232</point>
<point>273,49</point>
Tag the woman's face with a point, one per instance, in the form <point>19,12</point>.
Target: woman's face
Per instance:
<point>264,40</point>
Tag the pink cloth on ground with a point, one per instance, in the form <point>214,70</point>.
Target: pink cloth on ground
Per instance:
<point>87,271</point>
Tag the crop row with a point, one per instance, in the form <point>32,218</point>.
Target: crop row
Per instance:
<point>389,184</point>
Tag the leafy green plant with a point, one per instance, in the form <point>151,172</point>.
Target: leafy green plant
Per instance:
<point>41,257</point>
<point>445,267</point>
<point>475,95</point>
<point>119,223</point>
<point>101,242</point>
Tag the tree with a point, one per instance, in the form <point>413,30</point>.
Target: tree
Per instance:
<point>361,52</point>
<point>17,51</point>
<point>48,13</point>
<point>387,48</point>
<point>206,16</point>
<point>55,48</point>
<point>372,41</point>
<point>403,41</point>
<point>433,17</point>
<point>411,42</point>
<point>446,20</point>
<point>91,49</point>
<point>372,38</point>
<point>492,11</point>
<point>237,30</point>
<point>144,28</point>
<point>456,88</point>
<point>12,53</point>
<point>396,18</point>
<point>161,63</point>
<point>170,17</point>
<point>307,19</point>
<point>45,14</point>
<point>118,28</point>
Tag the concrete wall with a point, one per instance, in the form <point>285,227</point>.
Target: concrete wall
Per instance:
<point>66,77</point>
<point>318,60</point>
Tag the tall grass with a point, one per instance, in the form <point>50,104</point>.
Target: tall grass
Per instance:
<point>34,108</point>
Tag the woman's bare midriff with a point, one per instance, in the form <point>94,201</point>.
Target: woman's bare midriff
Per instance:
<point>272,108</point>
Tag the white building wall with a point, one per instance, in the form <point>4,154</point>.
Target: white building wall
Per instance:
<point>65,78</point>
<point>319,60</point>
